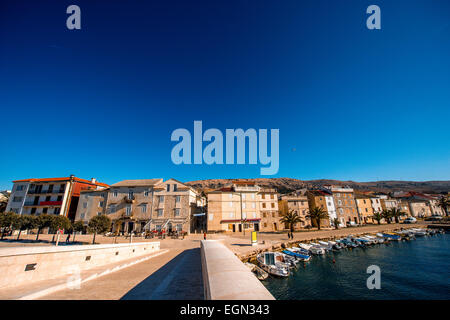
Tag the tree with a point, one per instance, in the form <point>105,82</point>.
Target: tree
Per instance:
<point>444,203</point>
<point>317,214</point>
<point>336,223</point>
<point>23,222</point>
<point>43,221</point>
<point>60,222</point>
<point>377,217</point>
<point>386,214</point>
<point>77,226</point>
<point>396,214</point>
<point>291,218</point>
<point>99,224</point>
<point>6,220</point>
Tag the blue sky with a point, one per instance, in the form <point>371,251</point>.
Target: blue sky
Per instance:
<point>350,103</point>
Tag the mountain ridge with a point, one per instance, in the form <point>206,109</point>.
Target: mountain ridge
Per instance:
<point>285,185</point>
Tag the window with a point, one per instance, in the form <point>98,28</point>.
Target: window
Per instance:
<point>175,187</point>
<point>84,205</point>
<point>271,196</point>
<point>243,197</point>
<point>20,187</point>
<point>253,196</point>
<point>112,208</point>
<point>341,211</point>
<point>100,204</point>
<point>210,217</point>
<point>99,213</point>
<point>339,202</point>
<point>177,212</point>
<point>263,205</point>
<point>254,215</point>
<point>128,211</point>
<point>273,205</point>
<point>263,196</point>
<point>265,224</point>
<point>17,199</point>
<point>115,193</point>
<point>273,214</point>
<point>130,194</point>
<point>144,208</point>
<point>168,187</point>
<point>159,212</point>
<point>59,198</point>
<point>179,227</point>
<point>82,216</point>
<point>177,198</point>
<point>146,193</point>
<point>161,198</point>
<point>264,215</point>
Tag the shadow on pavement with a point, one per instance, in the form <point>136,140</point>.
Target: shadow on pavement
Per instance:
<point>179,279</point>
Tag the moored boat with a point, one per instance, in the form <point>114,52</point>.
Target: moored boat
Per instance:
<point>273,263</point>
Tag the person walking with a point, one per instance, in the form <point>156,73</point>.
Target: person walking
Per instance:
<point>68,238</point>
<point>204,236</point>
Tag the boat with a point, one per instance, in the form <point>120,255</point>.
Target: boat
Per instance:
<point>349,242</point>
<point>299,256</point>
<point>419,232</point>
<point>312,249</point>
<point>260,273</point>
<point>375,239</point>
<point>273,263</point>
<point>394,237</point>
<point>300,250</point>
<point>317,245</point>
<point>327,245</point>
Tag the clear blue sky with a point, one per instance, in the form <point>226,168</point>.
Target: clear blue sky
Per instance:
<point>102,101</point>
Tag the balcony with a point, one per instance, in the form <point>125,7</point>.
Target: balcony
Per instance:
<point>43,203</point>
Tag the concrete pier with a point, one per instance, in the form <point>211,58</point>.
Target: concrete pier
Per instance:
<point>225,277</point>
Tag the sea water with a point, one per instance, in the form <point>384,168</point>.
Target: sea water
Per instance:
<point>415,269</point>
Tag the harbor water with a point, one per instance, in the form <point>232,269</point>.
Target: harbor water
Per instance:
<point>415,269</point>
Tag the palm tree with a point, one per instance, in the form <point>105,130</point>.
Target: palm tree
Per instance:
<point>291,218</point>
<point>396,214</point>
<point>386,214</point>
<point>377,217</point>
<point>317,214</point>
<point>444,203</point>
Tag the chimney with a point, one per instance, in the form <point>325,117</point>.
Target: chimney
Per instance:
<point>93,180</point>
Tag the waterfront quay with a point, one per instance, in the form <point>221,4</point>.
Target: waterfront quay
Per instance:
<point>177,272</point>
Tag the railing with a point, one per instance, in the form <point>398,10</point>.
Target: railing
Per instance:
<point>45,191</point>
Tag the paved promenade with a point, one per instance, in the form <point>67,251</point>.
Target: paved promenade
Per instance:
<point>176,274</point>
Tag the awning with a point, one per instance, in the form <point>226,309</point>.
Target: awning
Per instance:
<point>239,220</point>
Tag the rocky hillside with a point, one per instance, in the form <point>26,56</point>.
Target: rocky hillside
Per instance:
<point>285,185</point>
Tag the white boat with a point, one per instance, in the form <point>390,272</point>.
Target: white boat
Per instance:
<point>375,239</point>
<point>326,245</point>
<point>312,249</point>
<point>317,245</point>
<point>260,273</point>
<point>273,263</point>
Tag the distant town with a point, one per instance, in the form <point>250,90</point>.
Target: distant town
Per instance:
<point>138,206</point>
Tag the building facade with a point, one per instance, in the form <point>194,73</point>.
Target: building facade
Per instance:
<point>365,210</point>
<point>299,204</point>
<point>236,208</point>
<point>59,196</point>
<point>345,205</point>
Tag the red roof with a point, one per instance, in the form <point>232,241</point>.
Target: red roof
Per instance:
<point>62,179</point>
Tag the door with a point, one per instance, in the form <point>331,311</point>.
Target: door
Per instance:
<point>256,226</point>
<point>234,227</point>
<point>240,227</point>
<point>275,226</point>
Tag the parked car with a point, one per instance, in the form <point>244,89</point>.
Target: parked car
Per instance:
<point>410,220</point>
